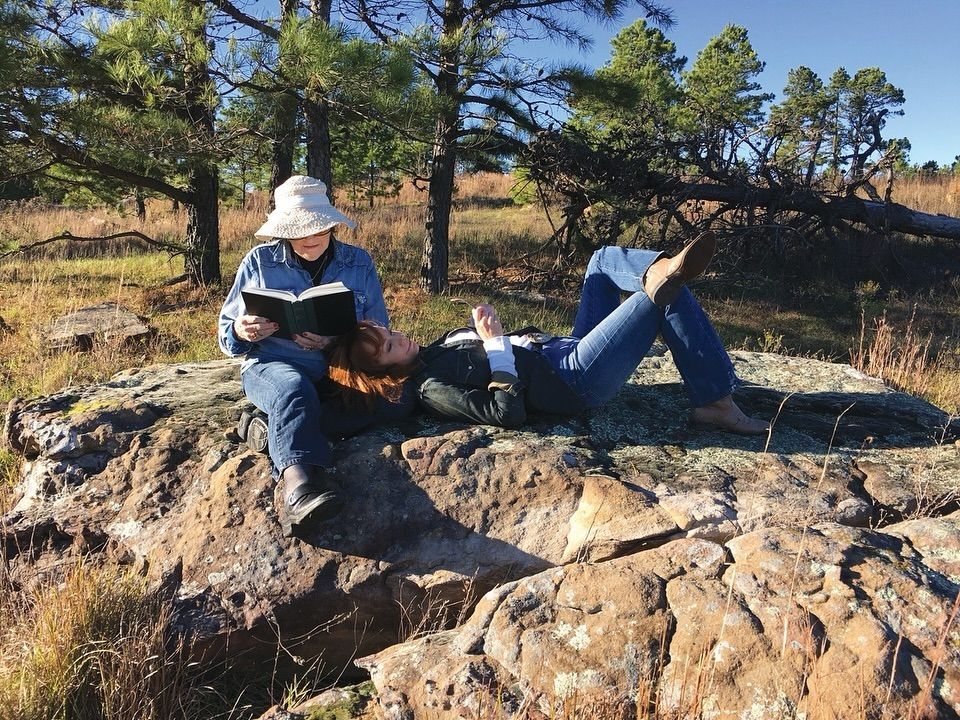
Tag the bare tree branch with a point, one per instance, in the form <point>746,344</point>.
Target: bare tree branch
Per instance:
<point>24,249</point>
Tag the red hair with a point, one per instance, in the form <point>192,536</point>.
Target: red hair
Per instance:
<point>354,367</point>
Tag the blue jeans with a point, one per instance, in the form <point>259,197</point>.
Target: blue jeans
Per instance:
<point>610,338</point>
<point>302,415</point>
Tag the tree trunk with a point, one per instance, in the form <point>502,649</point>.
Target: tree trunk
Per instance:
<point>202,262</point>
<point>371,184</point>
<point>434,264</point>
<point>319,165</point>
<point>879,216</point>
<point>436,246</point>
<point>317,115</point>
<point>285,109</point>
<point>243,185</point>
<point>284,140</point>
<point>141,203</point>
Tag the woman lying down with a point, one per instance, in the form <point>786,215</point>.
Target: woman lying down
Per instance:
<point>483,375</point>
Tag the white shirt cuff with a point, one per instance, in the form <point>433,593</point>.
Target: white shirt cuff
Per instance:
<point>500,354</point>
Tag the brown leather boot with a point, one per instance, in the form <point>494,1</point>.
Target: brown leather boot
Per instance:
<point>667,276</point>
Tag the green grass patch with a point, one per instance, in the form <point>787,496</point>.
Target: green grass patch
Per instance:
<point>357,697</point>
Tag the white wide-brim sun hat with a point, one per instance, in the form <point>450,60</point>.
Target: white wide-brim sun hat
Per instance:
<point>302,209</point>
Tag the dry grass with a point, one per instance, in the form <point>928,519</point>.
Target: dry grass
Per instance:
<point>9,474</point>
<point>33,293</point>
<point>931,195</point>
<point>901,359</point>
<point>488,235</point>
<point>95,644</point>
<point>64,277</point>
<point>425,612</point>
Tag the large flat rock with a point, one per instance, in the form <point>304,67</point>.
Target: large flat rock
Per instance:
<point>826,622</point>
<point>145,470</point>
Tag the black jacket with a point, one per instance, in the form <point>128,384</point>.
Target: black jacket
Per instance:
<point>456,383</point>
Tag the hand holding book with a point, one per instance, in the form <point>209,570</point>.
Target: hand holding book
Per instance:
<point>254,328</point>
<point>312,341</point>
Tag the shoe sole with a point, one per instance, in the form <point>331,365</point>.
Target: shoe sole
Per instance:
<point>257,435</point>
<point>694,259</point>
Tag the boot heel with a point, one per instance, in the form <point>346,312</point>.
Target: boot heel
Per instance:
<point>243,424</point>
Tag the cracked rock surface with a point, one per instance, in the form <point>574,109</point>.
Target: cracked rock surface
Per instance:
<point>624,553</point>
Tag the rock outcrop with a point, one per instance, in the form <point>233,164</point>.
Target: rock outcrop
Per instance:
<point>821,622</point>
<point>623,525</point>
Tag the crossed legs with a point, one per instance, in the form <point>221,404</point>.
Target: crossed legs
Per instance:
<point>614,337</point>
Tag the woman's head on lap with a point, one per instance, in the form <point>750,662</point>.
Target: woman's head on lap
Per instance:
<point>373,360</point>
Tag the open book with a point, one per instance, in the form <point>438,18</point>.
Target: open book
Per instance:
<point>323,309</point>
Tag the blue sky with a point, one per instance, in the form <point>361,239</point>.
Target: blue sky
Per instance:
<point>916,42</point>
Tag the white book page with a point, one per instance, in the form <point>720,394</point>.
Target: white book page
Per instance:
<point>328,289</point>
<point>267,292</point>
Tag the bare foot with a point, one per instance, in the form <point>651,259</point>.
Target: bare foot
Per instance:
<point>724,414</point>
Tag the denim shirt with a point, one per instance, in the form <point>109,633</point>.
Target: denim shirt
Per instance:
<point>273,265</point>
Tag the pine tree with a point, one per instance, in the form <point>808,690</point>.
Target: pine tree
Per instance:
<point>126,94</point>
<point>721,102</point>
<point>485,92</point>
<point>158,55</point>
<point>18,72</point>
<point>800,128</point>
<point>638,89</point>
<point>868,101</point>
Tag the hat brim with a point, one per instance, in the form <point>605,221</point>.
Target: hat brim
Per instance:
<point>301,223</point>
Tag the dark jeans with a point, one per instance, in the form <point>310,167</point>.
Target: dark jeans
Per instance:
<point>303,413</point>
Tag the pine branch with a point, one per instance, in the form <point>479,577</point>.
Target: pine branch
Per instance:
<point>78,157</point>
<point>233,12</point>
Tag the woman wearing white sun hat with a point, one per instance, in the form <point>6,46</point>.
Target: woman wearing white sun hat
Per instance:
<point>280,376</point>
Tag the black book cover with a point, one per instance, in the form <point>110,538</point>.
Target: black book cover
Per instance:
<point>323,310</point>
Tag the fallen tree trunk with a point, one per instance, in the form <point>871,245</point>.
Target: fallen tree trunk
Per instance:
<point>877,215</point>
<point>619,176</point>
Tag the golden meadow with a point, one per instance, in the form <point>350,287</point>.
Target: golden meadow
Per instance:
<point>905,336</point>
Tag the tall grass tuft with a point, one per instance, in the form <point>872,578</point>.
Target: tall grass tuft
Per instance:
<point>96,645</point>
<point>9,470</point>
<point>901,358</point>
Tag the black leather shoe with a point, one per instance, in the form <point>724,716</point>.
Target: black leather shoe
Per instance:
<point>312,497</point>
